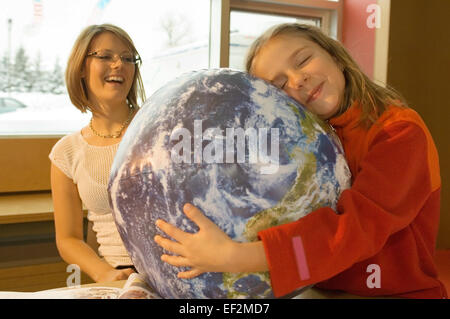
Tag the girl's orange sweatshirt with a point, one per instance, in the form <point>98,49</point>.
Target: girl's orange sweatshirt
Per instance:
<point>381,240</point>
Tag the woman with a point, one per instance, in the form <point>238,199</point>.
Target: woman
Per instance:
<point>102,77</point>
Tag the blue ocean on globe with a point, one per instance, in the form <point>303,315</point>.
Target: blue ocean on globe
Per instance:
<point>241,150</point>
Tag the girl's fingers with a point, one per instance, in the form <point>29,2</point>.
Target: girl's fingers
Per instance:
<point>196,215</point>
<point>177,261</point>
<point>171,230</point>
<point>169,245</point>
<point>190,273</point>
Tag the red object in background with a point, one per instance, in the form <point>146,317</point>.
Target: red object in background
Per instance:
<point>357,37</point>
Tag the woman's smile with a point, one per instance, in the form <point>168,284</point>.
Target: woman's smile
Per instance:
<point>115,81</point>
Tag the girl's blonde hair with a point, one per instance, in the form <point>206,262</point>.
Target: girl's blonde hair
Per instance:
<point>371,97</point>
<point>75,83</point>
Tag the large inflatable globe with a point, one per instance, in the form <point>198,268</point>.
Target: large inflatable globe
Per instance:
<point>238,148</point>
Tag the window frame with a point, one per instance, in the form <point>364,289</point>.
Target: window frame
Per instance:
<point>330,12</point>
<point>24,162</point>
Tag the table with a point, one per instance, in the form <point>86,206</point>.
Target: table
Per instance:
<point>312,293</point>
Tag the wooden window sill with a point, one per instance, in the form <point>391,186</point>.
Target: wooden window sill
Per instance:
<point>26,207</point>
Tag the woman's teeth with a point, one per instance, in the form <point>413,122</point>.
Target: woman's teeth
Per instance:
<point>117,79</point>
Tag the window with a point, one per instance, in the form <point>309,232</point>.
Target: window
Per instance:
<point>245,27</point>
<point>248,19</point>
<point>171,36</point>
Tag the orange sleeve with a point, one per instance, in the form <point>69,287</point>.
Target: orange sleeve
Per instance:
<point>390,189</point>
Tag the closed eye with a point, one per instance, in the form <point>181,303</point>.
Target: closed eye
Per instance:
<point>280,84</point>
<point>301,62</point>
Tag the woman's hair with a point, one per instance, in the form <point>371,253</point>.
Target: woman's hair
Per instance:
<point>75,83</point>
<point>372,97</point>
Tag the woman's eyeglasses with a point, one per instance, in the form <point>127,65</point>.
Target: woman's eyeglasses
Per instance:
<point>109,57</point>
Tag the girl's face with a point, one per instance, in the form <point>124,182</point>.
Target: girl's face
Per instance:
<point>304,71</point>
<point>108,77</point>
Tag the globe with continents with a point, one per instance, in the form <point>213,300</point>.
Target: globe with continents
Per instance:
<point>241,150</point>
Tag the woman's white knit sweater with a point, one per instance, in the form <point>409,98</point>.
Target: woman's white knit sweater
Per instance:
<point>89,166</point>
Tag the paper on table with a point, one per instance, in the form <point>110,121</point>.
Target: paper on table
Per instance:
<point>66,293</point>
<point>134,288</point>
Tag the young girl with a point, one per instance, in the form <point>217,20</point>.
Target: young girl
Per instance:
<point>381,239</point>
<point>102,77</point>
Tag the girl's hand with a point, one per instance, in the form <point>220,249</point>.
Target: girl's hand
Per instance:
<point>208,250</point>
<point>115,274</point>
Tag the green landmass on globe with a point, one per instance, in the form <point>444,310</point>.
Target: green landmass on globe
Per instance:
<point>285,211</point>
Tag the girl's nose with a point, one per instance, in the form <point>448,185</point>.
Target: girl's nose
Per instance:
<point>297,79</point>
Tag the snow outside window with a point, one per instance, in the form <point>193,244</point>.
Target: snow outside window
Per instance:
<point>36,36</point>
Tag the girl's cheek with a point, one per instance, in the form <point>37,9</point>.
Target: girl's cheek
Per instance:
<point>298,100</point>
<point>293,94</point>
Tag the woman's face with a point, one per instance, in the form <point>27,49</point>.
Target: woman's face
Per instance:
<point>304,71</point>
<point>108,79</point>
